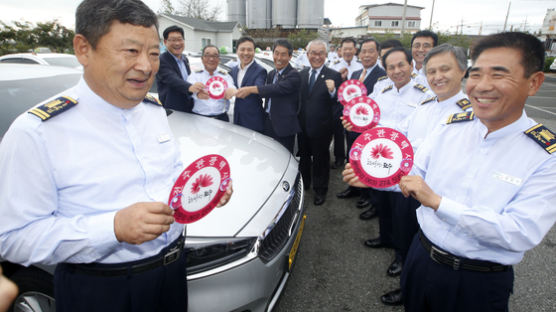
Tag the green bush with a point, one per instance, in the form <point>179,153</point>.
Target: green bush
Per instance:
<point>547,62</point>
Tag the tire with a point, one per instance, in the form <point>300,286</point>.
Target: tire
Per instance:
<point>36,291</point>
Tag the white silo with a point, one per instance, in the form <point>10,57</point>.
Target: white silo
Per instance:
<point>259,14</point>
<point>310,13</point>
<point>236,11</point>
<point>284,13</point>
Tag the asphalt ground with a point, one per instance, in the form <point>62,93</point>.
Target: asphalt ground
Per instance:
<point>334,271</point>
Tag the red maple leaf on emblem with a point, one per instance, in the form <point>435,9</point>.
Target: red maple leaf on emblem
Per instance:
<point>361,111</point>
<point>381,150</point>
<point>203,180</point>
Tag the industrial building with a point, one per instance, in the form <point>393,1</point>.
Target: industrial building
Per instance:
<point>285,14</point>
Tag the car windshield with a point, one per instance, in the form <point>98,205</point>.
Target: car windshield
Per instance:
<point>17,96</point>
<point>69,61</point>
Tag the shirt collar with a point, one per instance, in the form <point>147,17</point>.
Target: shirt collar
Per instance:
<point>453,99</point>
<point>318,70</point>
<point>247,66</point>
<point>520,125</point>
<point>176,58</point>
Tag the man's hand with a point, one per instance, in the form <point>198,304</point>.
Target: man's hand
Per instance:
<point>418,189</point>
<point>229,93</point>
<point>330,85</point>
<point>347,125</point>
<point>246,91</point>
<point>198,88</point>
<point>142,222</point>
<point>224,200</point>
<point>344,72</point>
<point>350,177</point>
<point>8,292</point>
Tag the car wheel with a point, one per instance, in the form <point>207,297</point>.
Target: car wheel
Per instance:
<point>36,291</point>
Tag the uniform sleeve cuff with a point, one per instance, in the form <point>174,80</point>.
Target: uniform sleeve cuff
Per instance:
<point>101,230</point>
<point>449,210</point>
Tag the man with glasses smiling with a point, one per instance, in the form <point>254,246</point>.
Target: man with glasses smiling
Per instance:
<point>203,104</point>
<point>421,43</point>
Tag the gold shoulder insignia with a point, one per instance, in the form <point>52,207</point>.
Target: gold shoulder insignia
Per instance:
<point>413,75</point>
<point>223,72</point>
<point>419,86</point>
<point>464,104</point>
<point>151,99</point>
<point>53,108</point>
<point>428,100</point>
<point>199,71</point>
<point>543,136</point>
<point>387,89</point>
<point>336,62</point>
<point>466,116</point>
<point>382,78</point>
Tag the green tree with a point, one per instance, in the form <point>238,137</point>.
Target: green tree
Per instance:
<point>301,38</point>
<point>198,9</point>
<point>24,37</point>
<point>166,7</point>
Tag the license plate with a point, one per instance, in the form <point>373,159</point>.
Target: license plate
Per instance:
<point>293,251</point>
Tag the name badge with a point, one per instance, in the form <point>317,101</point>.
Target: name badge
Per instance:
<point>507,178</point>
<point>163,138</point>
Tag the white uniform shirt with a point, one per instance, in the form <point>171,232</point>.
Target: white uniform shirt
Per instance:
<point>241,73</point>
<point>395,105</point>
<point>64,179</point>
<point>210,107</point>
<point>419,75</point>
<point>353,66</point>
<point>427,116</point>
<point>498,190</point>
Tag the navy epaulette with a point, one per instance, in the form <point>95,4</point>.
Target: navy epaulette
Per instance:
<point>390,87</point>
<point>199,71</point>
<point>419,86</point>
<point>464,104</point>
<point>413,75</point>
<point>466,116</point>
<point>543,136</point>
<point>428,100</point>
<point>53,108</point>
<point>382,78</point>
<point>151,99</point>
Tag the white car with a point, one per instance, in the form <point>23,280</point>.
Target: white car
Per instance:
<point>239,256</point>
<point>55,59</point>
<point>553,65</point>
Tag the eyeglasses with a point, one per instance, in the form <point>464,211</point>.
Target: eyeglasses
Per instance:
<point>313,53</point>
<point>176,40</point>
<point>211,56</point>
<point>424,46</point>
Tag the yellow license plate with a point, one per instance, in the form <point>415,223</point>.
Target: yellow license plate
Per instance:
<point>293,251</point>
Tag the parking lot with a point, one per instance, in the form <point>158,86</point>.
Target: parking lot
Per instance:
<point>335,272</point>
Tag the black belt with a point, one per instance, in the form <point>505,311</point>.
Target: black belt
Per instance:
<point>167,255</point>
<point>459,263</point>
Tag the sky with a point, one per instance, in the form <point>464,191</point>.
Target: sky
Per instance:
<point>448,15</point>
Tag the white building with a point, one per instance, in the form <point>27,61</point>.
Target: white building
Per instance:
<point>548,31</point>
<point>387,18</point>
<point>199,33</point>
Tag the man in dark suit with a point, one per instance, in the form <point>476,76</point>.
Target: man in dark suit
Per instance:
<point>368,55</point>
<point>281,92</point>
<point>173,89</point>
<point>248,111</point>
<point>318,101</point>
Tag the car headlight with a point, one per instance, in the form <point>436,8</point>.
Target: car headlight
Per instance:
<point>205,254</point>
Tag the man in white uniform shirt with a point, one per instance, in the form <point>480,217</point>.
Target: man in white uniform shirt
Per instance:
<point>203,104</point>
<point>348,63</point>
<point>421,43</point>
<point>485,181</point>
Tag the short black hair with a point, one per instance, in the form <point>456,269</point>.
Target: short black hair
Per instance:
<point>370,40</point>
<point>171,29</point>
<point>210,46</point>
<point>426,33</point>
<point>93,18</point>
<point>348,39</point>
<point>283,43</point>
<point>245,39</point>
<point>531,48</point>
<point>396,49</point>
<point>391,43</point>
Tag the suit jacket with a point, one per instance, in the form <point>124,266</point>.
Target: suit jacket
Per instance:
<point>318,108</point>
<point>371,78</point>
<point>284,105</point>
<point>172,89</point>
<point>248,112</point>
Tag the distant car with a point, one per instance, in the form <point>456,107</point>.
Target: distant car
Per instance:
<point>239,257</point>
<point>55,59</point>
<point>553,65</point>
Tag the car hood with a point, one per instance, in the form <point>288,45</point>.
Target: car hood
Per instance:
<point>257,165</point>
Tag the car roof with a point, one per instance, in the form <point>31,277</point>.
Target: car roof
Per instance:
<point>36,55</point>
<point>12,71</point>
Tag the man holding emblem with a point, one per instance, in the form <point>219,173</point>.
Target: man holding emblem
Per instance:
<point>86,176</point>
<point>485,181</point>
<point>217,83</point>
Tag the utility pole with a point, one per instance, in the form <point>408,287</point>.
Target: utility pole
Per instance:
<point>507,14</point>
<point>432,11</point>
<point>403,19</point>
<point>481,29</point>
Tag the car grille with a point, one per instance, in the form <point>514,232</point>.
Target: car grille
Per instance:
<point>279,234</point>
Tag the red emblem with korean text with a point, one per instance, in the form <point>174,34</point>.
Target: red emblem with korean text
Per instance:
<point>381,156</point>
<point>216,87</point>
<point>351,89</point>
<point>363,113</point>
<point>199,188</point>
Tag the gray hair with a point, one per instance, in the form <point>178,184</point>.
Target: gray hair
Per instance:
<point>317,41</point>
<point>93,18</point>
<point>457,52</point>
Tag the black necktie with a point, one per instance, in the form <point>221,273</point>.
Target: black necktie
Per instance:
<point>312,79</point>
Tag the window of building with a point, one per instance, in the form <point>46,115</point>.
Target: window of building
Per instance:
<point>411,24</point>
<point>395,23</point>
<point>378,23</point>
<point>205,42</point>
